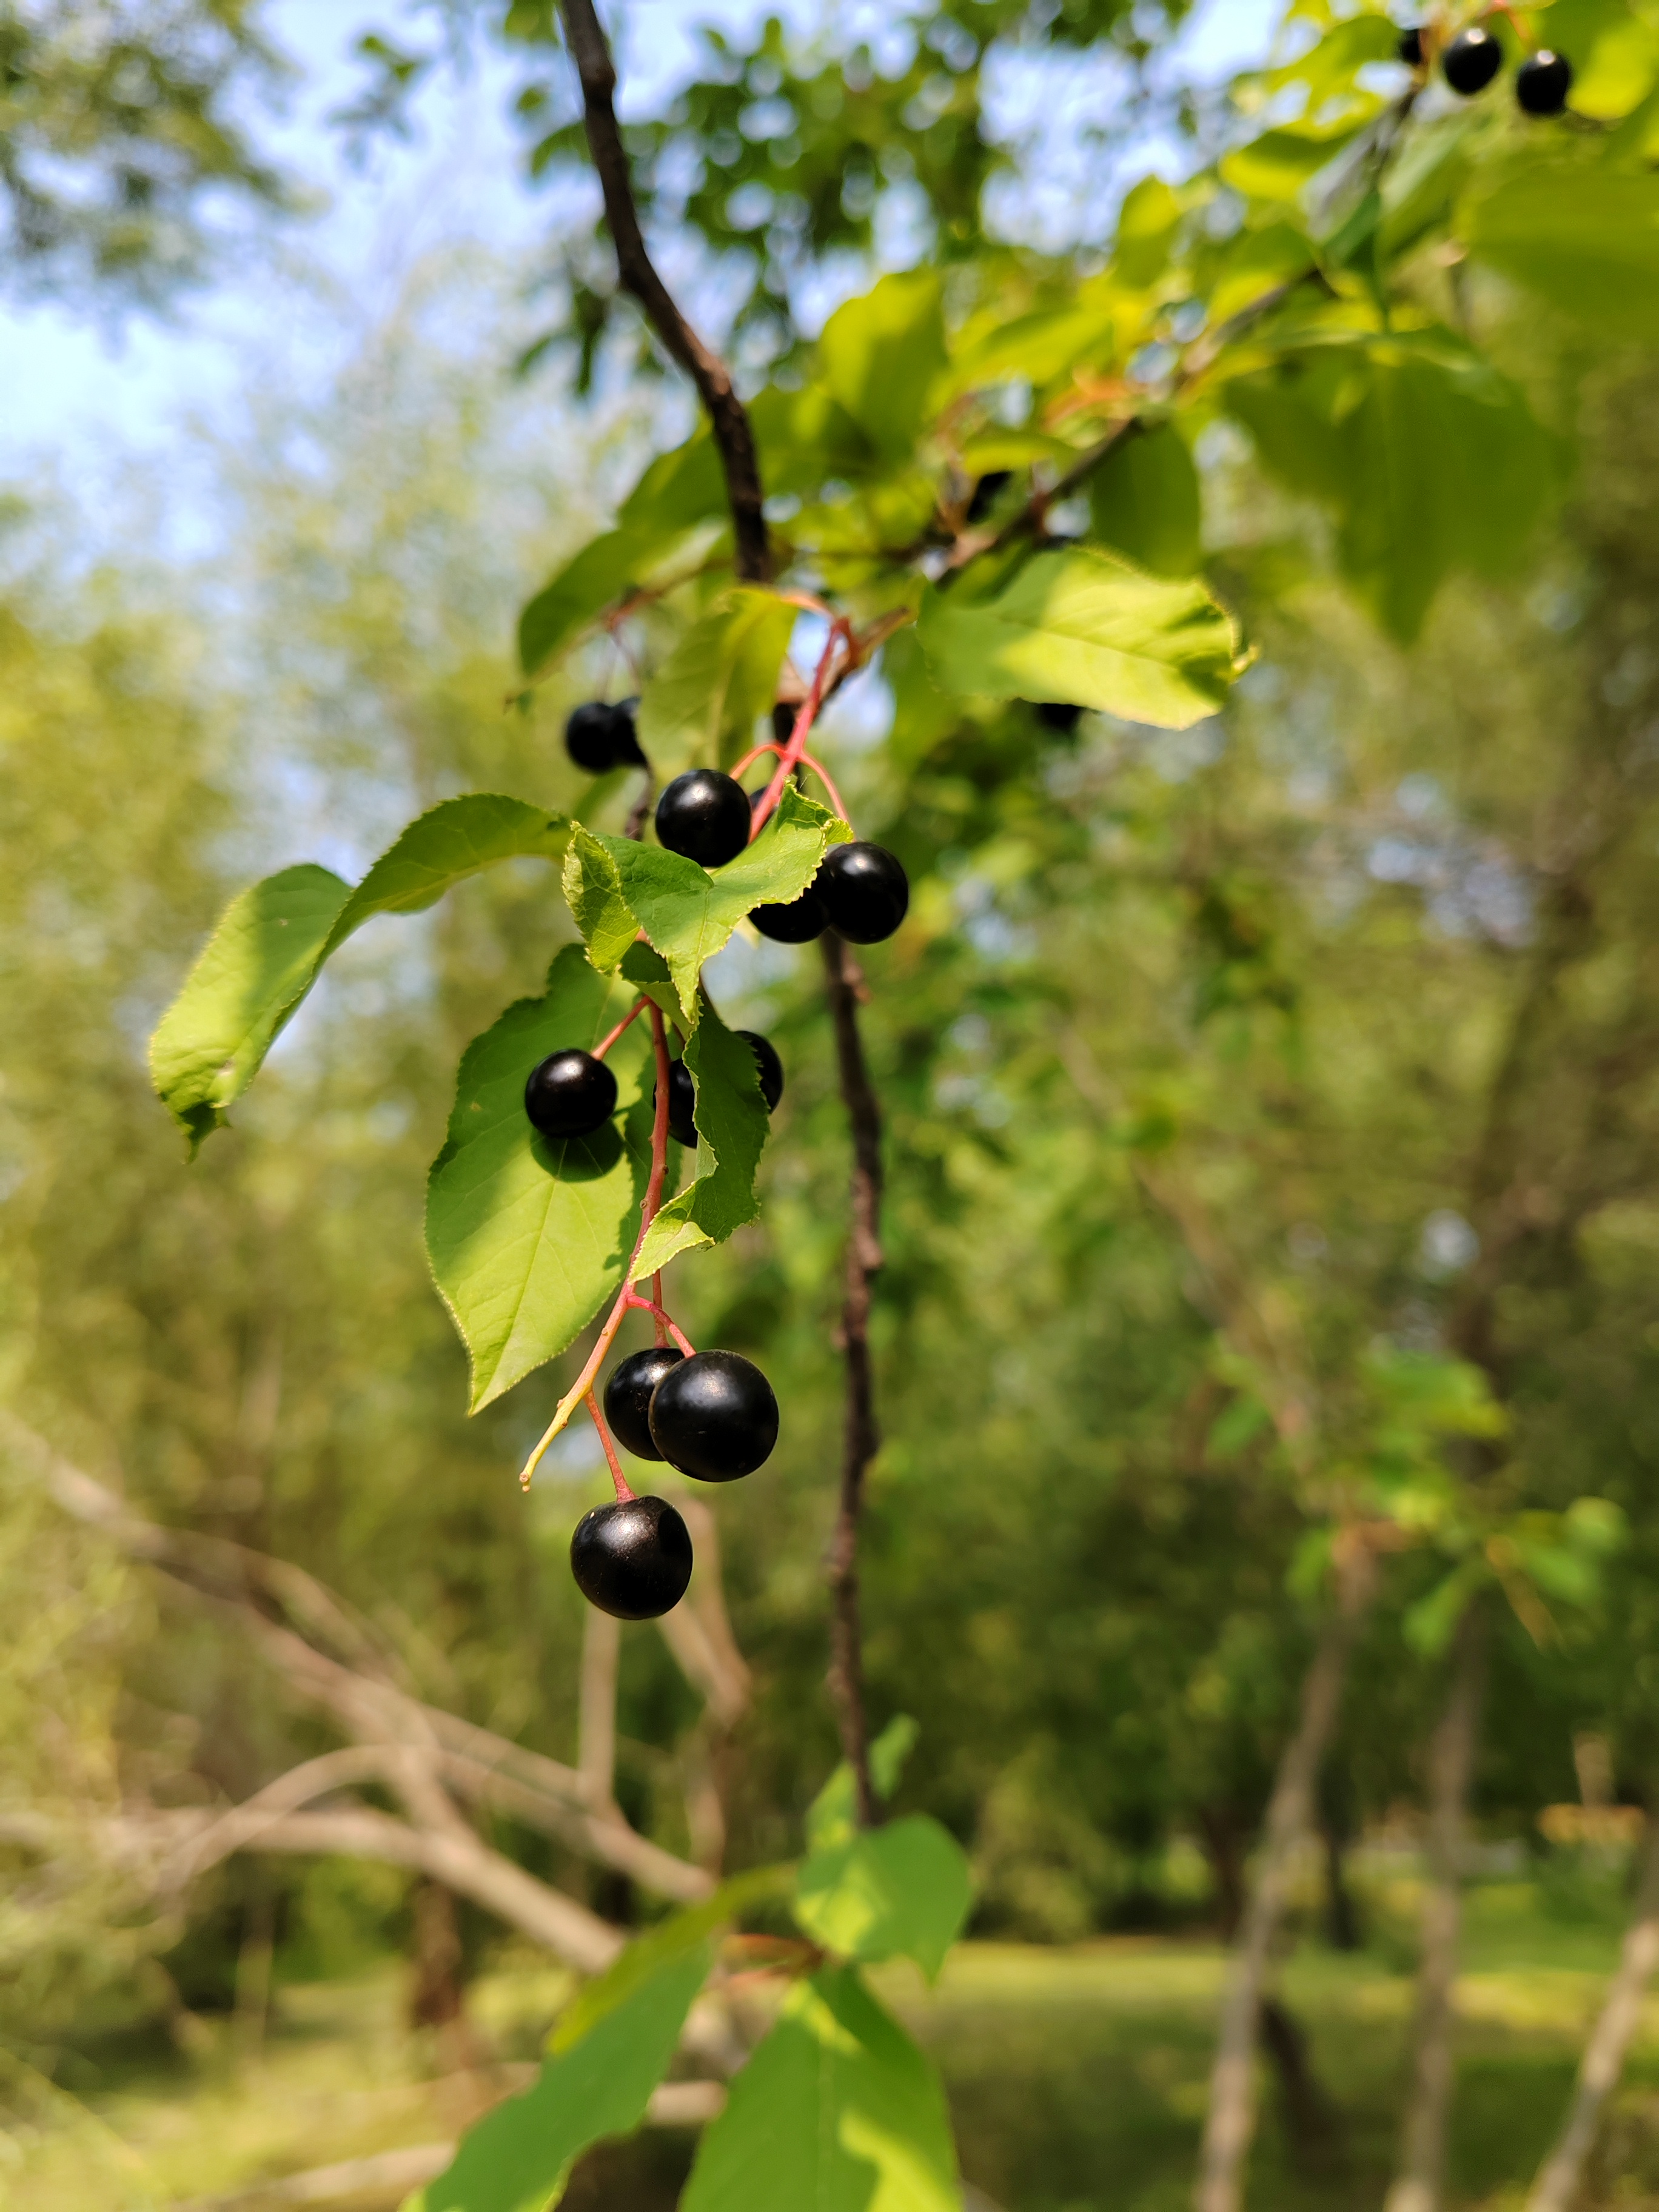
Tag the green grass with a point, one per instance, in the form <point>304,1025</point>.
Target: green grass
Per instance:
<point>1077,2078</point>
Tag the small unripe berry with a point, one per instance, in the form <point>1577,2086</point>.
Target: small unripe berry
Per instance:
<point>569,1094</point>
<point>715,1417</point>
<point>628,1396</point>
<point>705,815</point>
<point>1472,61</point>
<point>632,1559</point>
<point>865,889</point>
<point>1543,81</point>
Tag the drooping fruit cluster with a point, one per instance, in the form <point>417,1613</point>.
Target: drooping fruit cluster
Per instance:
<point>1473,58</point>
<point>599,736</point>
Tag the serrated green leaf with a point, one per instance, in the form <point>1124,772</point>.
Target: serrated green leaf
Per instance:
<point>647,971</point>
<point>1585,240</point>
<point>255,967</point>
<point>1083,627</point>
<point>272,941</point>
<point>519,2157</point>
<point>678,1937</point>
<point>593,892</point>
<point>838,2110</point>
<point>701,707</point>
<point>687,914</point>
<point>900,1890</point>
<point>527,1238</point>
<point>731,1118</point>
<point>879,354</point>
<point>1144,500</point>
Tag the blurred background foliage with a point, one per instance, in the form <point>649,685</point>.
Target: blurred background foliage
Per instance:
<point>1240,1083</point>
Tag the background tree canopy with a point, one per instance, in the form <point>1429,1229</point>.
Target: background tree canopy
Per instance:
<point>1246,545</point>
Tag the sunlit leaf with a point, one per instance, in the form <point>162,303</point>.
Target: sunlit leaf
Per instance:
<point>879,354</point>
<point>731,1118</point>
<point>1144,500</point>
<point>900,1890</point>
<point>700,706</point>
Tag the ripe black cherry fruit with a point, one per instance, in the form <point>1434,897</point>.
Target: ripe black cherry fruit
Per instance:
<point>600,736</point>
<point>705,815</point>
<point>865,889</point>
<point>715,1417</point>
<point>767,1066</point>
<point>796,923</point>
<point>1472,61</point>
<point>1543,81</point>
<point>632,1559</point>
<point>1410,48</point>
<point>569,1094</point>
<point>682,1101</point>
<point>628,1396</point>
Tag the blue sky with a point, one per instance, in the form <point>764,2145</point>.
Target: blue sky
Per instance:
<point>83,399</point>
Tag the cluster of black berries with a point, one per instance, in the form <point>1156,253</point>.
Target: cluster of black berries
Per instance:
<point>712,1415</point>
<point>1473,58</point>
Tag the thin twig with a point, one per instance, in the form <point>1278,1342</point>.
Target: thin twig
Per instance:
<point>727,416</point>
<point>863,1260</point>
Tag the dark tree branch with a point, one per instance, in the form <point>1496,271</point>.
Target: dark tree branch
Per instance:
<point>727,416</point>
<point>845,981</point>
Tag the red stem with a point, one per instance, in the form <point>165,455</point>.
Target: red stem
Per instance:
<point>754,754</point>
<point>624,1495</point>
<point>654,1308</point>
<point>822,775</point>
<point>633,1014</point>
<point>803,729</point>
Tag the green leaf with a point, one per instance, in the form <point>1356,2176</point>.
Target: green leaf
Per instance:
<point>831,1817</point>
<point>687,914</point>
<point>593,892</point>
<point>838,2110</point>
<point>1587,240</point>
<point>899,1891</point>
<point>272,941</point>
<point>1144,499</point>
<point>253,971</point>
<point>731,1120</point>
<point>678,1937</point>
<point>699,709</point>
<point>519,2157</point>
<point>1145,232</point>
<point>1257,262</point>
<point>1083,627</point>
<point>1277,165</point>
<point>635,554</point>
<point>878,355</point>
<point>527,1238</point>
<point>1430,460</point>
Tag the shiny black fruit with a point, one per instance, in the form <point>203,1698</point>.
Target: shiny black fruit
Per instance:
<point>570,1094</point>
<point>1472,61</point>
<point>865,889</point>
<point>682,1101</point>
<point>632,1559</point>
<point>628,1396</point>
<point>796,923</point>
<point>767,1066</point>
<point>1543,81</point>
<point>1055,715</point>
<point>715,1417</point>
<point>600,736</point>
<point>1411,45</point>
<point>705,815</point>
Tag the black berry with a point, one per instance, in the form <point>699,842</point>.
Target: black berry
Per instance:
<point>1411,45</point>
<point>1055,714</point>
<point>1543,81</point>
<point>600,736</point>
<point>632,1559</point>
<point>628,1396</point>
<point>681,1103</point>
<point>705,815</point>
<point>866,891</point>
<point>985,492</point>
<point>796,923</point>
<point>570,1094</point>
<point>1472,61</point>
<point>767,1066</point>
<point>715,1417</point>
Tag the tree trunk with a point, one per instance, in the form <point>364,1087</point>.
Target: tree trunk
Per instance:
<point>1562,2172</point>
<point>1421,2182</point>
<point>1231,2121</point>
<point>1312,2130</point>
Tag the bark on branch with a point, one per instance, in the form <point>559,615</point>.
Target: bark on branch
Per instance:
<point>728,418</point>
